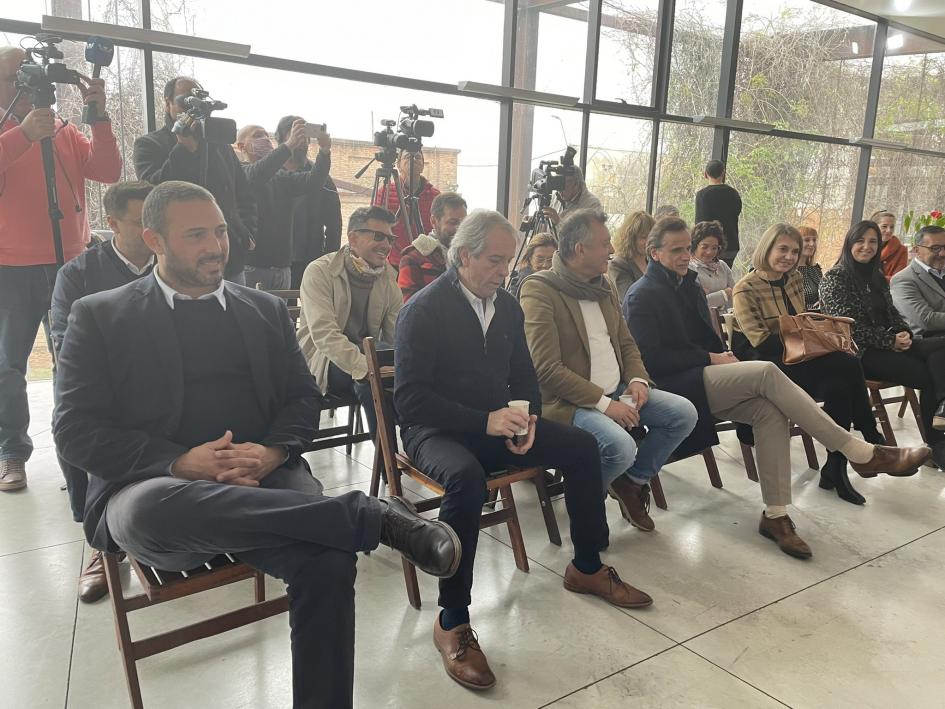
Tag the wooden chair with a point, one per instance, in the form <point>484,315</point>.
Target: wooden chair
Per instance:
<point>346,434</point>
<point>879,402</point>
<point>397,464</point>
<point>162,586</point>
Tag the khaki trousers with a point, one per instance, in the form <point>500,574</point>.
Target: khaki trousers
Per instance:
<point>761,395</point>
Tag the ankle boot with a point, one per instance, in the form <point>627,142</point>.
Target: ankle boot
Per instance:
<point>833,476</point>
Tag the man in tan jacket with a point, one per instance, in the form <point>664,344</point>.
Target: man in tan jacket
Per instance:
<point>347,296</point>
<point>590,370</point>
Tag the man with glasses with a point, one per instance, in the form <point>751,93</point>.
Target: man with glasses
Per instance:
<point>347,296</point>
<point>919,289</point>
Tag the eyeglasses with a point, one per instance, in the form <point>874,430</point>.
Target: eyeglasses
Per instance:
<point>378,235</point>
<point>938,249</point>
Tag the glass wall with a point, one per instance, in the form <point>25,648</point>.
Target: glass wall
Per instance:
<point>618,158</point>
<point>551,46</point>
<point>698,32</point>
<point>627,51</point>
<point>683,151</point>
<point>900,182</point>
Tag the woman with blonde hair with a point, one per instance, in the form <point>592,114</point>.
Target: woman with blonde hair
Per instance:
<point>537,257</point>
<point>775,288</point>
<point>808,267</point>
<point>629,261</point>
<point>894,255</point>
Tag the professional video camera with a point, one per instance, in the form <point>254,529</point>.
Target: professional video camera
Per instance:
<point>197,107</point>
<point>550,177</point>
<point>38,72</point>
<point>411,131</point>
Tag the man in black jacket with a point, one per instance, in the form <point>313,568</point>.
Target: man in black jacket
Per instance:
<point>193,435</point>
<point>461,360</point>
<point>316,223</point>
<point>276,191</point>
<point>161,156</point>
<point>106,265</point>
<point>720,202</point>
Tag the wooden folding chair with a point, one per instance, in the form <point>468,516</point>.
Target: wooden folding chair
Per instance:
<point>397,464</point>
<point>879,402</point>
<point>162,586</point>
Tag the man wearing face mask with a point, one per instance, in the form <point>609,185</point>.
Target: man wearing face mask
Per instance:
<point>575,195</point>
<point>275,191</point>
<point>410,166</point>
<point>162,156</point>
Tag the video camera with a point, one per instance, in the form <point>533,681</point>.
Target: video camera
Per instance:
<point>551,175</point>
<point>409,134</point>
<point>38,72</point>
<point>197,107</point>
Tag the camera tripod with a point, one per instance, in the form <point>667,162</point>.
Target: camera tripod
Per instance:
<point>537,223</point>
<point>387,175</point>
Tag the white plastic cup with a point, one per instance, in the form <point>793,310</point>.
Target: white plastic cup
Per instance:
<point>524,406</point>
<point>629,399</point>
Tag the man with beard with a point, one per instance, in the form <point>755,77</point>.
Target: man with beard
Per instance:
<point>425,258</point>
<point>193,435</point>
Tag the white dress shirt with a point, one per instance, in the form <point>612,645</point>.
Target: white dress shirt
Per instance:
<point>131,267</point>
<point>929,269</point>
<point>484,309</point>
<point>170,294</point>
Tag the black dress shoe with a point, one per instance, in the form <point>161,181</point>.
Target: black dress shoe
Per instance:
<point>430,545</point>
<point>938,456</point>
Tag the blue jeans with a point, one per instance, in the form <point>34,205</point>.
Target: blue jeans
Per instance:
<point>668,418</point>
<point>271,277</point>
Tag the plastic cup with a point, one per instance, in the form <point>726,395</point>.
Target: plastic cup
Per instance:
<point>521,405</point>
<point>630,400</point>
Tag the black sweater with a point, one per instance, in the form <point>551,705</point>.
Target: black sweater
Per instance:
<point>447,375</point>
<point>722,203</point>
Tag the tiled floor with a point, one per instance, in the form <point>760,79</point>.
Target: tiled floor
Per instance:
<point>735,623</point>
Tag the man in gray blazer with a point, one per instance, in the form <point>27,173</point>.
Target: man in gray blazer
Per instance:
<point>918,290</point>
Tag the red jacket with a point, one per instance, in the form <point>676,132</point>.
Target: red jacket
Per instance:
<point>390,201</point>
<point>895,257</point>
<point>25,229</point>
<point>421,263</point>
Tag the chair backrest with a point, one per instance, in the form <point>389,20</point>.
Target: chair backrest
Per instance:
<point>383,403</point>
<point>715,315</point>
<point>292,298</point>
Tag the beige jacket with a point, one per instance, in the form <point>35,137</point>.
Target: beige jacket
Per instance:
<point>326,304</point>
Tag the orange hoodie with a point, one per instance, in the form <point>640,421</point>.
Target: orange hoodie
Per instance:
<point>895,257</point>
<point>25,228</point>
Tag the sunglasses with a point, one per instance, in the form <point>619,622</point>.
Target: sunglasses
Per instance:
<point>378,235</point>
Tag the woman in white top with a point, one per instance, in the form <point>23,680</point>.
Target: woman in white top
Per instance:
<point>714,275</point>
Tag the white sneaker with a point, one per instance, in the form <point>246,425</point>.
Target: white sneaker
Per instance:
<point>12,475</point>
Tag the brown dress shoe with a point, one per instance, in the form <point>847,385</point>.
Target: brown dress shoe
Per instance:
<point>92,582</point>
<point>634,502</point>
<point>12,475</point>
<point>606,584</point>
<point>781,530</point>
<point>462,657</point>
<point>899,462</point>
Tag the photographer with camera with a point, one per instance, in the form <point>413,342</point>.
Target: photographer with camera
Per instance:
<point>27,250</point>
<point>410,166</point>
<point>574,196</point>
<point>177,152</point>
<point>276,191</point>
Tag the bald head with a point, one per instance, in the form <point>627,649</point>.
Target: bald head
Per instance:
<point>10,59</point>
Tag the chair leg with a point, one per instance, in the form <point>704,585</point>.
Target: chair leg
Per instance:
<point>712,468</point>
<point>812,461</point>
<point>547,510</point>
<point>413,588</point>
<point>883,417</point>
<point>259,586</point>
<point>749,457</point>
<point>493,499</point>
<point>125,645</point>
<point>657,487</point>
<point>913,400</point>
<point>515,529</point>
<point>354,413</point>
<point>903,405</point>
<point>376,472</point>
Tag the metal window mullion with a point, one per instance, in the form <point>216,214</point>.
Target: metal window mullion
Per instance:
<point>504,162</point>
<point>653,167</point>
<point>869,120</point>
<point>666,19</point>
<point>727,75</point>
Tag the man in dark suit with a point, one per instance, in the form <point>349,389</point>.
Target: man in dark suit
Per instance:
<point>109,264</point>
<point>461,360</point>
<point>189,403</point>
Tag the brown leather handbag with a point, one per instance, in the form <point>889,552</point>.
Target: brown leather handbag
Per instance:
<point>807,336</point>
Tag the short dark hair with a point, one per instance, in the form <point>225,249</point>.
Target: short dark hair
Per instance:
<point>846,261</point>
<point>116,198</point>
<point>360,217</point>
<point>659,231</point>
<point>284,126</point>
<point>703,230</point>
<point>171,85</point>
<point>154,211</point>
<point>444,201</point>
<point>715,169</point>
<point>929,229</point>
<point>575,229</point>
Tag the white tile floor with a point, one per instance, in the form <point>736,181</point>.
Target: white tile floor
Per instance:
<point>735,623</point>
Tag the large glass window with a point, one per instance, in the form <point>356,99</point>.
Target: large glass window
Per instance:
<point>461,155</point>
<point>696,58</point>
<point>123,12</point>
<point>900,182</point>
<point>803,66</point>
<point>552,46</point>
<point>683,152</point>
<point>912,94</point>
<point>618,157</point>
<point>794,181</point>
<point>627,50</point>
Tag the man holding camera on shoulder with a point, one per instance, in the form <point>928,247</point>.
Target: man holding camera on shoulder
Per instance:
<point>27,251</point>
<point>575,194</point>
<point>165,155</point>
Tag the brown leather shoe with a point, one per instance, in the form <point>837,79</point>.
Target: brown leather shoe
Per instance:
<point>899,462</point>
<point>634,502</point>
<point>12,475</point>
<point>781,530</point>
<point>463,659</point>
<point>606,584</point>
<point>92,582</point>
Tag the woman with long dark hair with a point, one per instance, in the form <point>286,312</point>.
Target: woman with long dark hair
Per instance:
<point>856,288</point>
<point>775,288</point>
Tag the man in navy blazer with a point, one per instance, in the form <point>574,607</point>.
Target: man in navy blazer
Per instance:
<point>189,403</point>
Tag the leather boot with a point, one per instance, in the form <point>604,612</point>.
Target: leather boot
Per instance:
<point>833,476</point>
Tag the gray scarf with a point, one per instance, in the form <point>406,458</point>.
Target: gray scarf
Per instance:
<point>568,282</point>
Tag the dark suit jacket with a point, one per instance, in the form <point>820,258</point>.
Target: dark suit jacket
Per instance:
<point>119,387</point>
<point>671,326</point>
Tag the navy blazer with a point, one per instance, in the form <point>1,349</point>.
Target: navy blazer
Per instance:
<point>675,343</point>
<point>119,387</point>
